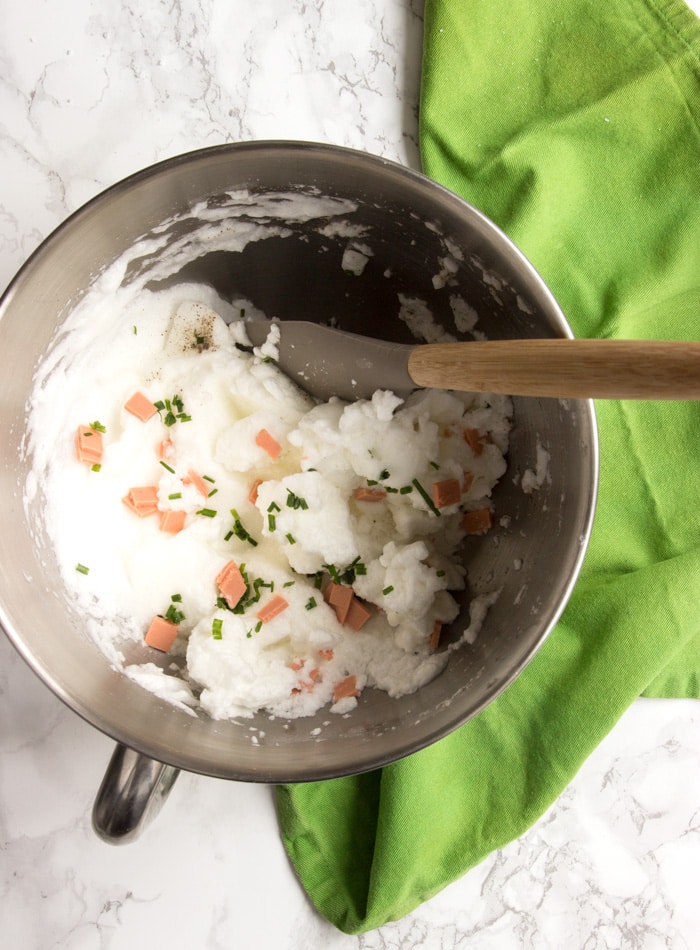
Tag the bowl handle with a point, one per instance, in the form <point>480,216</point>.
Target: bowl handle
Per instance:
<point>132,793</point>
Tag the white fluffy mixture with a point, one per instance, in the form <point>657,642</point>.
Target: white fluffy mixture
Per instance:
<point>351,530</point>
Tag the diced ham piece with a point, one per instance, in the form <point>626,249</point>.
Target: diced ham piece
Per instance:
<point>269,444</point>
<point>477,522</point>
<point>161,634</point>
<point>344,688</point>
<point>143,501</point>
<point>447,492</point>
<point>340,597</point>
<point>358,615</point>
<point>369,494</point>
<point>194,478</point>
<point>475,440</point>
<point>231,583</point>
<point>88,445</point>
<point>140,406</point>
<point>172,521</point>
<point>273,608</point>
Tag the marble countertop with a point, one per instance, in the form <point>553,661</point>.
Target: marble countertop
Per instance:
<point>91,91</point>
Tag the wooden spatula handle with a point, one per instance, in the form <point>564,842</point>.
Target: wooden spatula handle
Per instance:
<point>599,369</point>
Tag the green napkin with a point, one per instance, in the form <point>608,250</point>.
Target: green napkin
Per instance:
<point>574,125</point>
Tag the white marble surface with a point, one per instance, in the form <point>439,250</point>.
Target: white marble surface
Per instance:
<point>91,91</point>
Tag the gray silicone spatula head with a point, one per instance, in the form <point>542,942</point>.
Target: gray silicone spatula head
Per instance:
<point>326,362</point>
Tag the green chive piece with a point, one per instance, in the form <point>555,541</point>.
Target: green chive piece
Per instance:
<point>175,494</point>
<point>294,501</point>
<point>384,474</point>
<point>240,531</point>
<point>289,584</point>
<point>212,492</point>
<point>406,490</point>
<point>290,538</point>
<point>176,598</point>
<point>81,569</point>
<point>97,426</point>
<point>96,467</point>
<point>271,522</point>
<point>173,615</point>
<point>333,571</point>
<point>167,467</point>
<point>426,497</point>
<point>206,512</point>
<point>388,590</point>
<point>134,329</point>
<point>310,604</point>
<point>208,478</point>
<point>216,625</point>
<point>435,464</point>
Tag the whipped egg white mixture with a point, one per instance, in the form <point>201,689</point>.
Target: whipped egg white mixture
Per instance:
<point>342,524</point>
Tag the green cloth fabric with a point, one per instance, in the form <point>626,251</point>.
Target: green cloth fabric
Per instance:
<point>574,125</point>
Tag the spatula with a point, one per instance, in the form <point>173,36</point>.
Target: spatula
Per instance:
<point>328,362</point>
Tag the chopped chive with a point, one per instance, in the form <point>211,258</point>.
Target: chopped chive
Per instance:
<point>333,571</point>
<point>175,494</point>
<point>289,584</point>
<point>388,590</point>
<point>216,625</point>
<point>167,467</point>
<point>206,512</point>
<point>435,464</point>
<point>439,573</point>
<point>198,340</point>
<point>183,417</point>
<point>294,501</point>
<point>384,474</point>
<point>174,615</point>
<point>212,492</point>
<point>406,490</point>
<point>135,331</point>
<point>97,426</point>
<point>240,531</point>
<point>426,497</point>
<point>170,419</point>
<point>208,478</point>
<point>177,598</point>
<point>228,535</point>
<point>271,522</point>
<point>273,506</point>
<point>372,481</point>
<point>81,569</point>
<point>290,538</point>
<point>160,405</point>
<point>318,580</point>
<point>310,604</point>
<point>96,467</point>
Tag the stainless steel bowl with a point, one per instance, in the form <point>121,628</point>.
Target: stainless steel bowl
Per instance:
<point>408,222</point>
